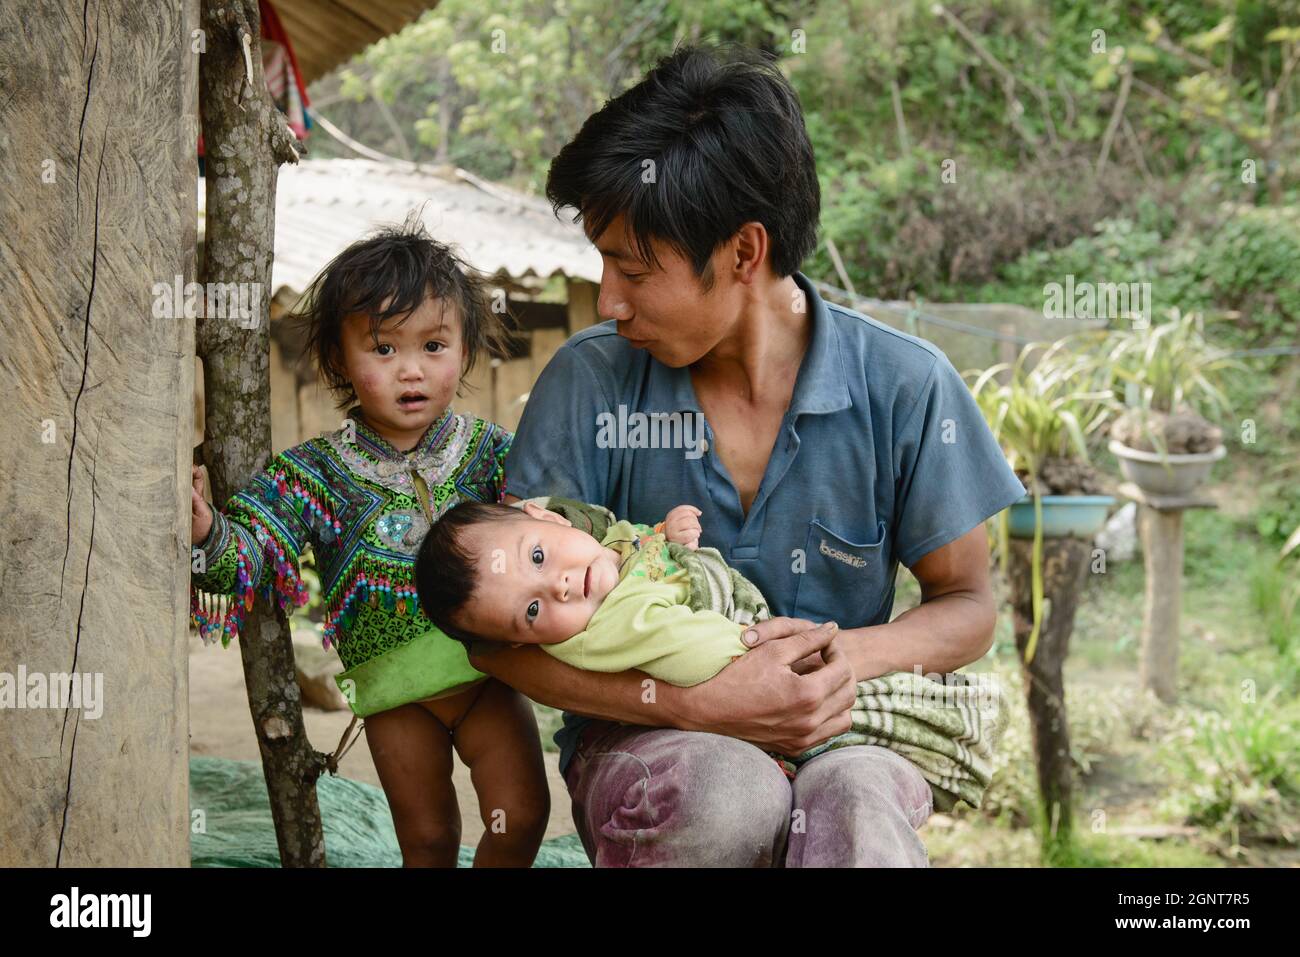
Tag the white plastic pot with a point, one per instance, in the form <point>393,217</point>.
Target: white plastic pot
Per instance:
<point>1171,474</point>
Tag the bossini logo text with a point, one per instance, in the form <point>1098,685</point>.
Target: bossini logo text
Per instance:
<point>102,910</point>
<point>840,556</point>
<point>56,690</point>
<point>652,430</point>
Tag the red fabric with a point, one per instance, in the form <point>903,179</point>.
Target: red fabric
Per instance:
<point>272,29</point>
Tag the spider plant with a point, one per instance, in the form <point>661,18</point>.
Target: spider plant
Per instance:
<point>1049,408</point>
<point>1166,367</point>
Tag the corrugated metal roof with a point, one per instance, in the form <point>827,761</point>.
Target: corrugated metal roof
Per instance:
<point>323,205</point>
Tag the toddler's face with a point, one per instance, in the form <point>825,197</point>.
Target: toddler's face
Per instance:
<point>539,579</point>
<point>421,358</point>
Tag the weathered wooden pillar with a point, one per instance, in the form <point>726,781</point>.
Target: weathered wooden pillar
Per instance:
<point>97,228</point>
<point>1162,553</point>
<point>1065,566</point>
<point>246,139</point>
<point>581,304</point>
<point>1160,522</point>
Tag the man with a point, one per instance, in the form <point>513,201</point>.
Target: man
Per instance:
<point>833,448</point>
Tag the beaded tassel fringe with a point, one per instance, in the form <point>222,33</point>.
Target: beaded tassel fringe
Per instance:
<point>224,620</point>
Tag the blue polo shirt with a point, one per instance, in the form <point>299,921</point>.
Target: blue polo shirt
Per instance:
<point>882,457</point>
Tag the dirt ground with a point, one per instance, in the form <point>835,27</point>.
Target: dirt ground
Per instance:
<point>220,726</point>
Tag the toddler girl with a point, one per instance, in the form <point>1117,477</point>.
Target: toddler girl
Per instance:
<point>395,323</point>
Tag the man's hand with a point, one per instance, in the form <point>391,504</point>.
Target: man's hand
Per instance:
<point>761,698</point>
<point>780,628</point>
<point>682,526</point>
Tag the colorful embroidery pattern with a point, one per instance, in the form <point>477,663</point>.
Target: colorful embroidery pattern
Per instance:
<point>352,498</point>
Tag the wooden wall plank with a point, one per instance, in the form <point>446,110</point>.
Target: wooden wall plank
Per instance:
<point>98,178</point>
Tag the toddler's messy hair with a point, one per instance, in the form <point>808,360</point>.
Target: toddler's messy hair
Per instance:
<point>445,579</point>
<point>390,273</point>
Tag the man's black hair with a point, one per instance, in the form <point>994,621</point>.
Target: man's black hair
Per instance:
<point>726,136</point>
<point>390,273</point>
<point>445,579</point>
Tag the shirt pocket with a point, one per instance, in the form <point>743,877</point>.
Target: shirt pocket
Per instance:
<point>844,580</point>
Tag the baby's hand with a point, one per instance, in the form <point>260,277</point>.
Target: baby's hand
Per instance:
<point>200,511</point>
<point>683,526</point>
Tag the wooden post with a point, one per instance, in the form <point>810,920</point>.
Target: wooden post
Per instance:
<point>97,229</point>
<point>1160,521</point>
<point>477,395</point>
<point>246,139</point>
<point>285,430</point>
<point>582,304</point>
<point>1065,565</point>
<point>511,382</point>
<point>1162,552</point>
<point>546,342</point>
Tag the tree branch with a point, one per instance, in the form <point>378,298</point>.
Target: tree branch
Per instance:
<point>1116,115</point>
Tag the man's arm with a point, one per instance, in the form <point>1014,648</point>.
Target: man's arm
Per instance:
<point>952,626</point>
<point>791,714</point>
<point>619,696</point>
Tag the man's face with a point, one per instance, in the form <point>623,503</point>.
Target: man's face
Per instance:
<point>665,310</point>
<point>539,579</point>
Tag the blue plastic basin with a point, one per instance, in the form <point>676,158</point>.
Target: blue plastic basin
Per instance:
<point>1077,516</point>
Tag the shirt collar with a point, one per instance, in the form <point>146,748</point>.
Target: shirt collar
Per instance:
<point>381,448</point>
<point>822,384</point>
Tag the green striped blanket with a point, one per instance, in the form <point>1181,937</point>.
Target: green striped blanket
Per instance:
<point>946,725</point>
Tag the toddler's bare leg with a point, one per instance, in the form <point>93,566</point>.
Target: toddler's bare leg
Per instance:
<point>412,753</point>
<point>499,742</point>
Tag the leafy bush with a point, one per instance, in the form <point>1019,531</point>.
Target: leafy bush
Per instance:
<point>1279,513</point>
<point>1252,264</point>
<point>902,230</point>
<point>1241,261</point>
<point>1274,597</point>
<point>1239,769</point>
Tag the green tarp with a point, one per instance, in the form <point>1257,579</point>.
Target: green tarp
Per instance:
<point>235,829</point>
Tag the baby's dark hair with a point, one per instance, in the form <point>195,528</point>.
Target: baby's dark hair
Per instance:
<point>390,273</point>
<point>445,579</point>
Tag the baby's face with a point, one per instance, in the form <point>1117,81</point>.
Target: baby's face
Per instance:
<point>539,580</point>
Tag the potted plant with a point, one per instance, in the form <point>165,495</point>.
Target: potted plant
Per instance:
<point>1163,441</point>
<point>1044,413</point>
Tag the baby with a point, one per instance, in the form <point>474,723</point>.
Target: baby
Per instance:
<point>597,593</point>
<point>607,595</point>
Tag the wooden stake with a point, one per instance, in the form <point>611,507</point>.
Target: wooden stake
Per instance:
<point>1065,564</point>
<point>1162,549</point>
